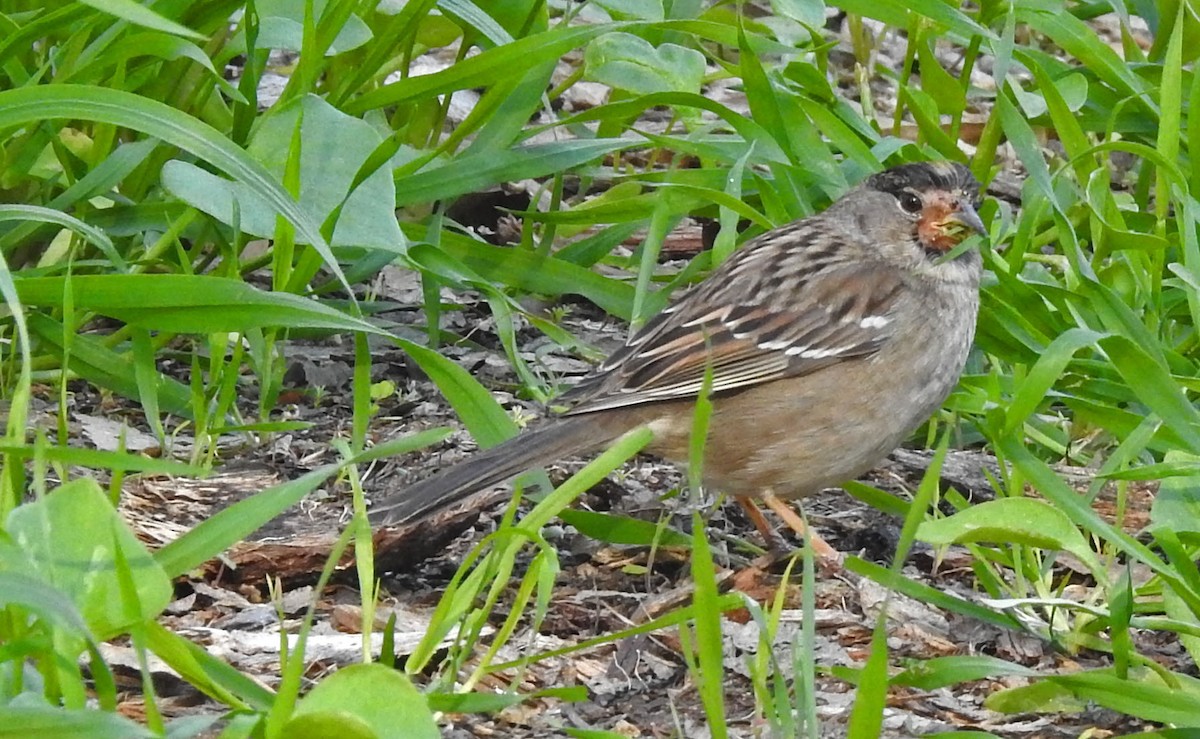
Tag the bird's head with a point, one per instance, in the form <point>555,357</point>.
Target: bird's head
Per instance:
<point>933,203</point>
<point>915,215</point>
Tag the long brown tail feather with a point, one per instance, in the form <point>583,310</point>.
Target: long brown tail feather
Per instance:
<point>550,441</point>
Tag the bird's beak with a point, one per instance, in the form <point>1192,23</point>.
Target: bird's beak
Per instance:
<point>966,216</point>
<point>946,221</point>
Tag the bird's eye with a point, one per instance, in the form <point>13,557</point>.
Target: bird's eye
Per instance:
<point>910,203</point>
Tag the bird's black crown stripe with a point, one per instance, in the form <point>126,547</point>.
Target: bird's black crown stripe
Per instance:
<point>923,176</point>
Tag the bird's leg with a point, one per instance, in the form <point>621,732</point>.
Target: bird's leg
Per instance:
<point>828,557</point>
<point>777,547</point>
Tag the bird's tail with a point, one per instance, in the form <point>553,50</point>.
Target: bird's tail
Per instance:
<point>550,441</point>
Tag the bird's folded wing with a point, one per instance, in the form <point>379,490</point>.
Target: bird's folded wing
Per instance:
<point>789,326</point>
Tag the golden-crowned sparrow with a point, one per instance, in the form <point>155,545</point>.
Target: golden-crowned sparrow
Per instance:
<point>829,341</point>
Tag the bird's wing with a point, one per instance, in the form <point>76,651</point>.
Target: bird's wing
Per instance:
<point>797,314</point>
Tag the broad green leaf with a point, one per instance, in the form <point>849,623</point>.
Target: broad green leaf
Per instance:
<point>324,724</point>
<point>38,103</point>
<point>282,27</point>
<point>626,62</point>
<point>333,148</point>
<point>1011,521</point>
<point>377,698</point>
<point>646,10</point>
<point>219,197</point>
<point>69,537</point>
<point>1072,89</point>
<point>1067,500</point>
<point>809,12</point>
